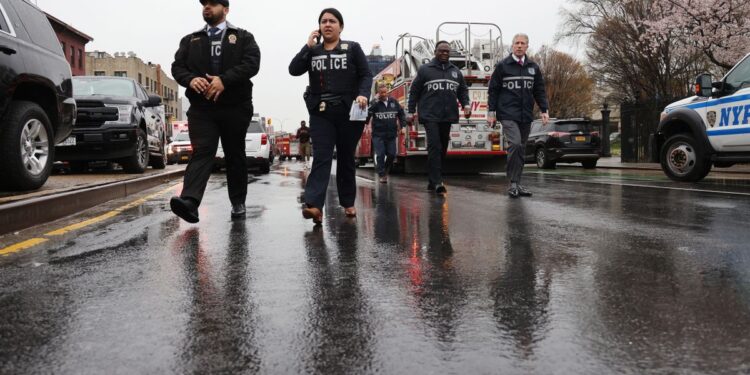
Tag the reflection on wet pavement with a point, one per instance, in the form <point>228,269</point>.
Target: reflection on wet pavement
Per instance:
<point>583,278</point>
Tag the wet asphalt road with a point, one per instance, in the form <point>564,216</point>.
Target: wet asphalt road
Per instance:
<point>598,273</point>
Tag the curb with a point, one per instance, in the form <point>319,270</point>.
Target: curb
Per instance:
<point>24,214</point>
<point>636,168</point>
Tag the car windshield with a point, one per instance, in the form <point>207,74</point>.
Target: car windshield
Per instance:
<point>182,137</point>
<point>575,127</point>
<point>255,127</point>
<point>105,87</point>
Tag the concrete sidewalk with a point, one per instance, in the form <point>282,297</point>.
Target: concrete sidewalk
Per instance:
<point>615,163</point>
<point>64,195</point>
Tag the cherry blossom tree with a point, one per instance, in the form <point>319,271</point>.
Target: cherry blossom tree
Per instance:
<point>720,29</point>
<point>624,53</point>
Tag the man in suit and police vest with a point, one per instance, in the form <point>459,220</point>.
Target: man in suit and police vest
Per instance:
<point>215,65</point>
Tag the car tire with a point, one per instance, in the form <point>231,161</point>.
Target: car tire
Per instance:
<point>589,164</point>
<point>266,168</point>
<point>682,159</point>
<point>161,161</point>
<point>542,159</point>
<point>138,162</point>
<point>25,167</point>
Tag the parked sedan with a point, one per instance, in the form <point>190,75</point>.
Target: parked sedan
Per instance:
<point>564,141</point>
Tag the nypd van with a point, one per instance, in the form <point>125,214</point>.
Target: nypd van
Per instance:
<point>710,129</point>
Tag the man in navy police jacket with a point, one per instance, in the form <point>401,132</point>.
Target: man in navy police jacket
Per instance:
<point>516,84</point>
<point>435,95</point>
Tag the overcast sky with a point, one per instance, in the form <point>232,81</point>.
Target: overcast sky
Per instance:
<point>152,29</point>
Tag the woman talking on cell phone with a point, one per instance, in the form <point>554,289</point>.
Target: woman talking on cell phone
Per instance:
<point>339,78</point>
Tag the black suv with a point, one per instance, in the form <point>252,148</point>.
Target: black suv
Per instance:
<point>135,136</point>
<point>37,109</point>
<point>567,141</point>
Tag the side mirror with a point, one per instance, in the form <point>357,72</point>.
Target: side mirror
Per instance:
<point>153,101</point>
<point>704,85</point>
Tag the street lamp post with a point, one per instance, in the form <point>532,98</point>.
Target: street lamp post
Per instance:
<point>606,152</point>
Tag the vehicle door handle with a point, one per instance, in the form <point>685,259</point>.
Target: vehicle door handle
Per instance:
<point>7,50</point>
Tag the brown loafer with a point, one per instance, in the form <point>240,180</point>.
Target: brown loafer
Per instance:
<point>313,213</point>
<point>351,212</point>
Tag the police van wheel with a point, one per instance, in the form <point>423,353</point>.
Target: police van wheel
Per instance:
<point>682,159</point>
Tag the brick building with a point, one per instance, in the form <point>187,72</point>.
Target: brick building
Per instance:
<point>150,76</point>
<point>73,44</point>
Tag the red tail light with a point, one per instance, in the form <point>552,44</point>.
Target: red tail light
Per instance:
<point>558,134</point>
<point>495,138</point>
<point>264,139</point>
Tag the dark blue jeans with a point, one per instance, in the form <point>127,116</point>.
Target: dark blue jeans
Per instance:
<point>385,152</point>
<point>330,129</point>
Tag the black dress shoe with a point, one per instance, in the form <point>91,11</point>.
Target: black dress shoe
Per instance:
<point>523,192</point>
<point>441,190</point>
<point>185,208</point>
<point>514,193</point>
<point>238,211</point>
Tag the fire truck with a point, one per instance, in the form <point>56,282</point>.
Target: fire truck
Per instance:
<point>474,146</point>
<point>286,146</point>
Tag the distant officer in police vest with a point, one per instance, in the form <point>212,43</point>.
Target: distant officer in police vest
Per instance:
<point>387,118</point>
<point>435,96</point>
<point>215,65</point>
<point>516,84</point>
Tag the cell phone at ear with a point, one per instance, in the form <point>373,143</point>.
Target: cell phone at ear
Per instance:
<point>317,38</point>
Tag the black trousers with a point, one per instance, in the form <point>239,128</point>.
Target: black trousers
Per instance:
<point>438,136</point>
<point>330,129</point>
<point>208,126</point>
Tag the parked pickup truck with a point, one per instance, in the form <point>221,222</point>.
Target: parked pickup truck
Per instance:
<point>135,139</point>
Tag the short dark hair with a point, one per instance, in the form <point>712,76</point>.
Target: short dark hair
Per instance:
<point>441,42</point>
<point>334,12</point>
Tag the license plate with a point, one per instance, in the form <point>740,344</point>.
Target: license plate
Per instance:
<point>580,139</point>
<point>184,158</point>
<point>71,141</point>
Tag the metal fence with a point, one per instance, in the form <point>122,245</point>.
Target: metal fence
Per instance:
<point>638,120</point>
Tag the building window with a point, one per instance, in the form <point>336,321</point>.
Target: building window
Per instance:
<point>80,58</point>
<point>63,46</point>
<point>140,78</point>
<point>120,73</point>
<point>100,73</point>
<point>72,56</point>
